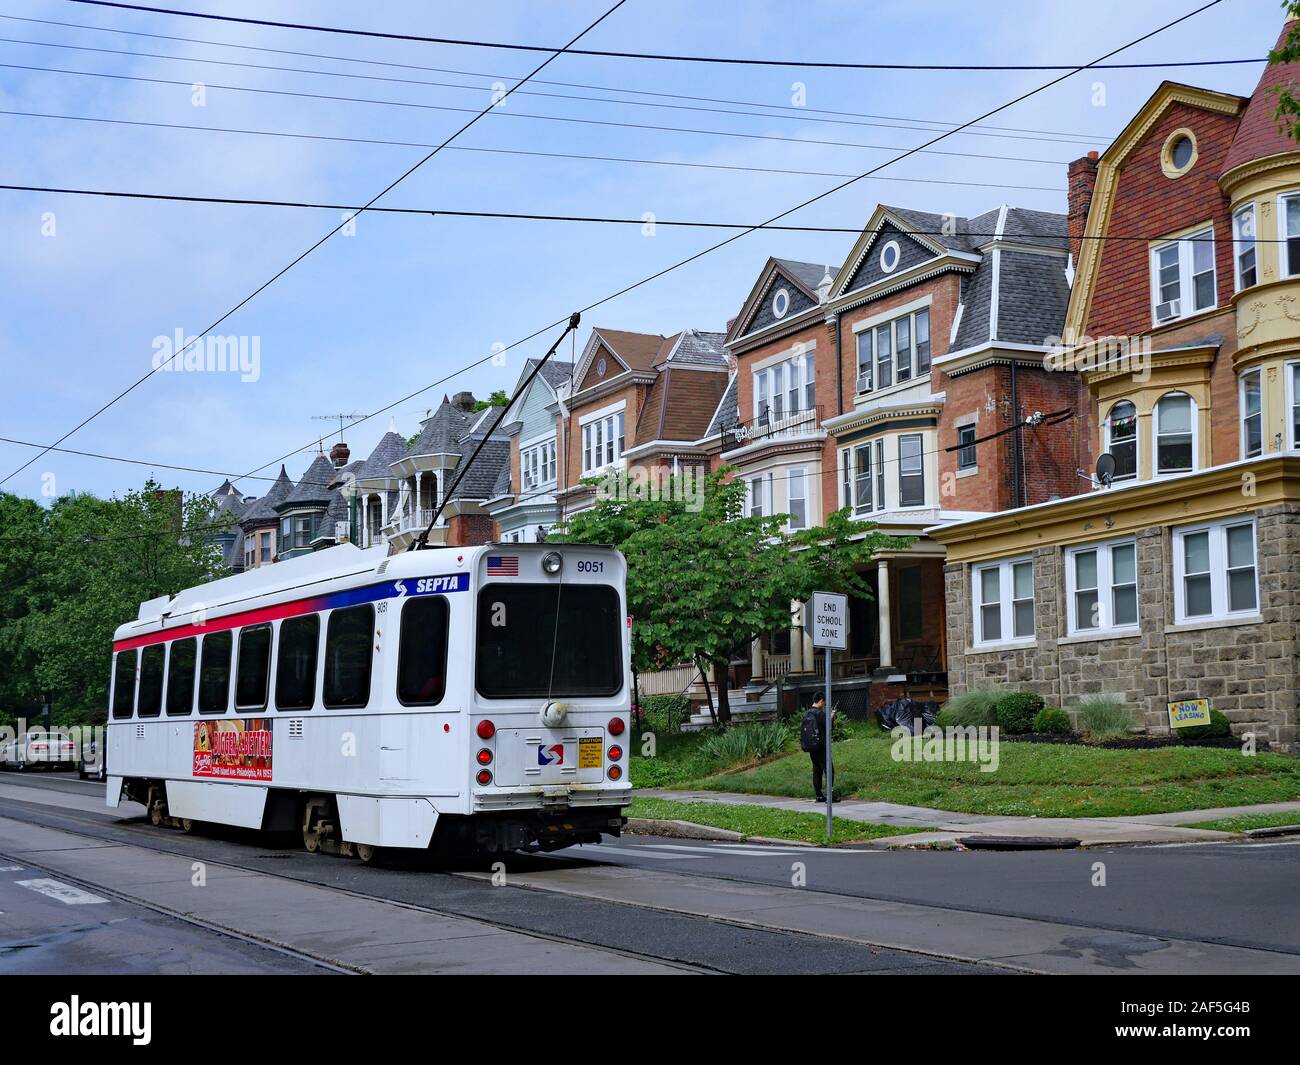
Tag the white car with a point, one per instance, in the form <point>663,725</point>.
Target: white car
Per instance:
<point>38,749</point>
<point>89,767</point>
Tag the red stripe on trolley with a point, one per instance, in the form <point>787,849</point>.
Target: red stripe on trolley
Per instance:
<point>230,621</point>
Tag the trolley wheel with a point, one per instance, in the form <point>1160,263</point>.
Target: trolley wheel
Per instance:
<point>310,841</point>
<point>188,826</point>
<point>368,854</point>
<point>157,811</point>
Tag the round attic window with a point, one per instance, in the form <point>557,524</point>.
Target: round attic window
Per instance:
<point>889,256</point>
<point>601,367</point>
<point>1179,153</point>
<point>780,303</point>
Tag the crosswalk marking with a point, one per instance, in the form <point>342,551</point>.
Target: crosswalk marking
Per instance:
<point>65,893</point>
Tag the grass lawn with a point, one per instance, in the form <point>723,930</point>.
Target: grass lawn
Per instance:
<point>1048,780</point>
<point>760,821</point>
<point>1246,822</point>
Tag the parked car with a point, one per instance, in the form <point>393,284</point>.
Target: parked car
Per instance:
<point>91,767</point>
<point>38,749</point>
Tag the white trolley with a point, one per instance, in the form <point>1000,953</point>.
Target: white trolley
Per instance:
<point>467,699</point>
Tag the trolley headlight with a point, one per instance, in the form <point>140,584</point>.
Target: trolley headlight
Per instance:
<point>552,562</point>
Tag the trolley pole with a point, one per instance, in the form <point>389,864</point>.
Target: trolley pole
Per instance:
<point>828,621</point>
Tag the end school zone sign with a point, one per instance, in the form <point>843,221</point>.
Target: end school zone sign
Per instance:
<point>828,620</point>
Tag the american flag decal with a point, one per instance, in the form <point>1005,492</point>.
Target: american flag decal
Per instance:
<point>503,565</point>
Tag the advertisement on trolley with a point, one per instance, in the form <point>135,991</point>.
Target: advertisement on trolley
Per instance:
<point>233,749</point>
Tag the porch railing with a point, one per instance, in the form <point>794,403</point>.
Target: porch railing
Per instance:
<point>773,424</point>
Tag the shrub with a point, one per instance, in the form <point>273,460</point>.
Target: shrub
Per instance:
<point>744,743</point>
<point>665,713</point>
<point>1218,726</point>
<point>1016,710</point>
<point>1103,717</point>
<point>975,707</point>
<point>1050,719</point>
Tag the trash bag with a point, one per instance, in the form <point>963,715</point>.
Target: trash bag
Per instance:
<point>905,713</point>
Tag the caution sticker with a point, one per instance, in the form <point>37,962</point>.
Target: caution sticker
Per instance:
<point>590,752</point>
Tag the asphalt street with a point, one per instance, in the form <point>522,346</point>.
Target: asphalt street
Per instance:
<point>639,904</point>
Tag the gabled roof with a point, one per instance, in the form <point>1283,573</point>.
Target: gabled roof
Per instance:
<point>696,347</point>
<point>391,447</point>
<point>314,488</point>
<point>263,510</point>
<point>755,313</point>
<point>636,351</point>
<point>680,404</point>
<point>555,373</point>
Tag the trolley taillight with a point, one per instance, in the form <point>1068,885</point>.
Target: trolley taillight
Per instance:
<point>484,757</point>
<point>616,726</point>
<point>486,730</point>
<point>484,776</point>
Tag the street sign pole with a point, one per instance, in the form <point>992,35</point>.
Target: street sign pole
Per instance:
<point>828,621</point>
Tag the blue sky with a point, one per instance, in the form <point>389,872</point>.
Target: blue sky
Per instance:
<point>409,299</point>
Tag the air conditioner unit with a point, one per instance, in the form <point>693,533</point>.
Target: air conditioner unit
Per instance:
<point>1165,311</point>
<point>864,383</point>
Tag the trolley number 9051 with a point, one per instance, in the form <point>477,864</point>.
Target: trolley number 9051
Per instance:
<point>591,566</point>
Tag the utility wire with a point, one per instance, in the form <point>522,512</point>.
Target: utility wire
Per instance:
<point>284,270</point>
<point>498,110</point>
<point>776,218</point>
<point>1046,138</point>
<point>610,54</point>
<point>440,212</point>
<point>526,153</point>
<point>393,65</point>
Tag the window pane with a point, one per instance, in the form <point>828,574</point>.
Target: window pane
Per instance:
<point>1086,613</point>
<point>295,671</point>
<point>1293,231</point>
<point>349,652</point>
<point>1085,569</point>
<point>1241,589</point>
<point>990,585</point>
<point>1024,618</point>
<point>1241,546</point>
<point>214,673</point>
<point>864,360</point>
<point>1202,251</point>
<point>991,623</point>
<point>151,680</point>
<point>922,341</point>
<point>1022,580</point>
<point>1123,564</point>
<point>1126,609</point>
<point>1196,552</point>
<point>253,673</point>
<point>911,475</point>
<point>862,479</point>
<point>1175,414</point>
<point>124,683</point>
<point>903,348</point>
<point>180,677</point>
<point>1197,596</point>
<point>422,656</point>
<point>521,655</point>
<point>884,356</point>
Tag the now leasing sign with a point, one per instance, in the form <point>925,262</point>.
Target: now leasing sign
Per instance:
<point>1189,712</point>
<point>828,620</point>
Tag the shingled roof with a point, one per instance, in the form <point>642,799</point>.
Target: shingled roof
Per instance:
<point>1258,134</point>
<point>440,432</point>
<point>314,488</point>
<point>262,511</point>
<point>391,447</point>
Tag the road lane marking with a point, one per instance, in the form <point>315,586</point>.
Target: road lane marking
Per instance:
<point>65,893</point>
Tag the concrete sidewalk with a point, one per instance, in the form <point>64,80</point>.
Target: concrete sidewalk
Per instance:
<point>948,827</point>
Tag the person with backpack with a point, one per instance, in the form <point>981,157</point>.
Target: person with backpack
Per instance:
<point>813,739</point>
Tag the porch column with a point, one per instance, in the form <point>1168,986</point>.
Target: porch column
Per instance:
<point>755,658</point>
<point>882,601</point>
<point>796,636</point>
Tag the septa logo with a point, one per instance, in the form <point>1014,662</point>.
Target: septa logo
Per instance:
<point>552,755</point>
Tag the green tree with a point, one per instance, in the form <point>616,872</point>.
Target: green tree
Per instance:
<point>1287,113</point>
<point>81,569</point>
<point>497,399</point>
<point>704,581</point>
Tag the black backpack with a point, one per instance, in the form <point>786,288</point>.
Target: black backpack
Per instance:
<point>811,736</point>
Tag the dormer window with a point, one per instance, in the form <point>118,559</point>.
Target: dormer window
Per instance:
<point>1182,276</point>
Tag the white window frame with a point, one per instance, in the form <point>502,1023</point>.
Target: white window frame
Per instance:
<point>601,433</point>
<point>1186,260</point>
<point>1156,472</point>
<point>920,456</point>
<point>797,477</point>
<point>1006,635</point>
<point>539,453</point>
<point>765,506</point>
<point>1105,589</point>
<point>849,478</point>
<point>1137,438</point>
<point>1242,246</point>
<point>1258,375</point>
<point>871,328</point>
<point>1284,258</point>
<point>1218,550</point>
<point>1292,412</point>
<point>776,383</point>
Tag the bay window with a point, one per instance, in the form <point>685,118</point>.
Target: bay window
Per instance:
<point>1121,439</point>
<point>859,489</point>
<point>1252,416</point>
<point>1289,221</point>
<point>602,441</point>
<point>797,498</point>
<point>1175,431</point>
<point>537,464</point>
<point>1182,276</point>
<point>1215,572</point>
<point>1101,587</point>
<point>1243,246</point>
<point>911,471</point>
<point>1003,598</point>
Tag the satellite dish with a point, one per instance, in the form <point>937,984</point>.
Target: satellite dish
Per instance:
<point>1105,468</point>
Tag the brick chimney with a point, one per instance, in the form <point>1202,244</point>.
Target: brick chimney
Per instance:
<point>1082,180</point>
<point>339,455</point>
<point>463,401</point>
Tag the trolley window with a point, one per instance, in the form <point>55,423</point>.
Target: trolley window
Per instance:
<point>517,638</point>
<point>349,652</point>
<point>295,672</point>
<point>214,673</point>
<point>124,683</point>
<point>253,674</point>
<point>180,677</point>
<point>151,680</point>
<point>422,655</point>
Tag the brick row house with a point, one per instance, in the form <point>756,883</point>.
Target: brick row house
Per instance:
<point>1176,579</point>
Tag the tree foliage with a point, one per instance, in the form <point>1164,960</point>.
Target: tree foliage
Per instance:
<point>72,573</point>
<point>704,581</point>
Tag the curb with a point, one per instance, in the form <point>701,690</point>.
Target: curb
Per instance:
<point>1274,830</point>
<point>1018,843</point>
<point>646,826</point>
